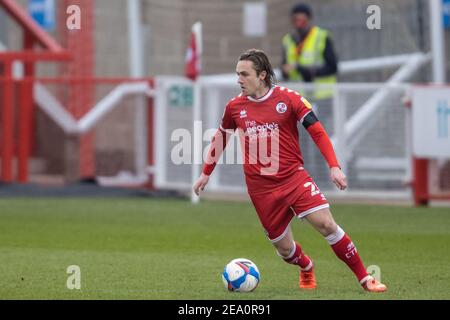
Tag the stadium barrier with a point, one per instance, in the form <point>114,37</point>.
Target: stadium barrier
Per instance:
<point>51,96</point>
<point>373,152</point>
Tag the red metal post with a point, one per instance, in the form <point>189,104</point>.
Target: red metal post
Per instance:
<point>7,123</point>
<point>29,71</point>
<point>81,97</point>
<point>52,52</point>
<point>420,183</point>
<point>25,109</point>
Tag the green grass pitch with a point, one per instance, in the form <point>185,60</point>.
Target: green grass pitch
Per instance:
<point>136,248</point>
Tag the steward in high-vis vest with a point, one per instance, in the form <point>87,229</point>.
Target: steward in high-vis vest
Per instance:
<point>308,53</point>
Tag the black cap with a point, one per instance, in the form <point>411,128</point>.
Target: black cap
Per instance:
<point>301,8</point>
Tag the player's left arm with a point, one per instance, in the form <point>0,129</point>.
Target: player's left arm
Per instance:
<point>323,142</point>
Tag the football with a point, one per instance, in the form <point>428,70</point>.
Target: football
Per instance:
<point>241,275</point>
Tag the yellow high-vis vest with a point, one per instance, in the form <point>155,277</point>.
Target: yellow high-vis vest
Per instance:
<point>311,55</point>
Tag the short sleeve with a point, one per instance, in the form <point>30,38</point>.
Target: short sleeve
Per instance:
<point>301,106</point>
<point>227,122</point>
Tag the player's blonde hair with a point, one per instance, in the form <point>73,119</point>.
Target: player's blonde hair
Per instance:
<point>261,63</point>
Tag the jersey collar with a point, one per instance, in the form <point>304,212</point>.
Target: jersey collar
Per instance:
<point>264,97</point>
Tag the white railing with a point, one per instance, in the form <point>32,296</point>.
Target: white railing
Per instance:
<point>367,168</point>
<point>58,113</point>
<point>54,109</point>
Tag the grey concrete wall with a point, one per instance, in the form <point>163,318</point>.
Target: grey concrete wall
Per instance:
<point>171,20</point>
<point>3,28</point>
<point>168,24</point>
<point>114,134</point>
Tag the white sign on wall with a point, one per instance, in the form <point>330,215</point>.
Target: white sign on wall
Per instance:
<point>255,19</point>
<point>431,122</point>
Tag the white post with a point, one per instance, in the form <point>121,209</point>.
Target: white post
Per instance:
<point>160,125</point>
<point>197,114</point>
<point>197,28</point>
<point>197,138</point>
<point>137,70</point>
<point>212,95</point>
<point>136,57</point>
<point>408,138</point>
<point>437,41</point>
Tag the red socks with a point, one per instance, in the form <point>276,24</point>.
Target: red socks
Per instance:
<point>297,257</point>
<point>344,248</point>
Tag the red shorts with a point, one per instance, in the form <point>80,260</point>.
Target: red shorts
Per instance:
<point>297,198</point>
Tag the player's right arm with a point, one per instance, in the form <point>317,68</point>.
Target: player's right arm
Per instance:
<point>218,144</point>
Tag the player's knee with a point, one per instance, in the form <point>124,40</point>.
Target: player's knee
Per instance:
<point>283,250</point>
<point>328,227</point>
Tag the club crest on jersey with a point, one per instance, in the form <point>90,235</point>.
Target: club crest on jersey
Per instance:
<point>306,103</point>
<point>243,114</point>
<point>281,107</point>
